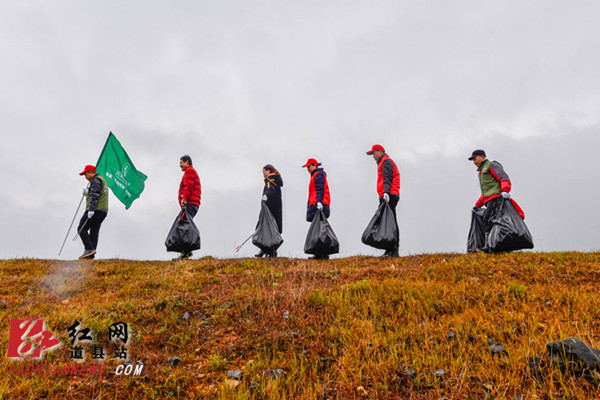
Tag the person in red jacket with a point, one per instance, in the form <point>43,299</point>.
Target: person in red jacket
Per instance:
<point>189,191</point>
<point>388,185</point>
<point>318,194</point>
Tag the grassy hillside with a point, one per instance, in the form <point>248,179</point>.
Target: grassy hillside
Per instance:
<point>356,327</point>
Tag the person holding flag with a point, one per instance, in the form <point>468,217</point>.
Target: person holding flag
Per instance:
<point>114,170</point>
<point>96,210</point>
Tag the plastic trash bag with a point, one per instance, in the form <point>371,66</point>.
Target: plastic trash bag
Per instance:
<point>382,231</point>
<point>184,235</point>
<point>320,239</point>
<point>509,231</point>
<point>476,239</point>
<point>266,237</point>
<point>500,227</point>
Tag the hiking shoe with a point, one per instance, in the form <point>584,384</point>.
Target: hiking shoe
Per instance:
<point>183,256</point>
<point>260,254</point>
<point>87,254</point>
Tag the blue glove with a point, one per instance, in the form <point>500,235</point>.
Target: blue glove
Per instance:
<point>264,198</point>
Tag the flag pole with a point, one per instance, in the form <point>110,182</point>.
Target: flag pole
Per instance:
<point>70,226</point>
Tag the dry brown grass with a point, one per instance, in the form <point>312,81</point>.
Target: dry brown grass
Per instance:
<point>355,325</point>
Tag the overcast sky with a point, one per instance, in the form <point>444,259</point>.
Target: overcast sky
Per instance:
<point>238,84</point>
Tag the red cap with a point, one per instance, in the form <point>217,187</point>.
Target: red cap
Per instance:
<point>311,161</point>
<point>88,168</point>
<point>375,147</point>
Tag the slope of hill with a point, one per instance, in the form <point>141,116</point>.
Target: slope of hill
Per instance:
<point>416,327</point>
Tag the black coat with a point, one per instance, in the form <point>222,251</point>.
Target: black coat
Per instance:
<point>272,190</point>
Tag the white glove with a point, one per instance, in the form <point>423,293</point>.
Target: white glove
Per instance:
<point>386,197</point>
<point>319,206</point>
<point>506,195</point>
<point>85,191</point>
<point>264,198</point>
<point>90,214</point>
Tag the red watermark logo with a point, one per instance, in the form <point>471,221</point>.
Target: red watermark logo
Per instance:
<point>29,339</point>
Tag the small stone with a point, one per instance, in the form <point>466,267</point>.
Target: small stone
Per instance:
<point>558,395</point>
<point>65,301</point>
<point>518,397</point>
<point>200,376</point>
<point>497,348</point>
<point>548,303</point>
<point>286,315</point>
<point>235,374</point>
<point>186,316</point>
<point>474,279</point>
<point>451,335</point>
<point>439,373</point>
<point>253,386</point>
<point>410,373</point>
<point>274,373</point>
<point>174,361</point>
<point>139,362</point>
<point>574,353</point>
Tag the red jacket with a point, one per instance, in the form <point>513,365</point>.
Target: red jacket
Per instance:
<point>388,176</point>
<point>189,188</point>
<point>318,189</point>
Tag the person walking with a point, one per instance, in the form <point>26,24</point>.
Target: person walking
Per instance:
<point>388,186</point>
<point>493,182</point>
<point>190,192</point>
<point>272,198</point>
<point>318,195</point>
<point>96,210</point>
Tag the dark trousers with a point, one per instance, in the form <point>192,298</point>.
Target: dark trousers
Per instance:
<point>394,199</point>
<point>191,210</point>
<point>90,228</point>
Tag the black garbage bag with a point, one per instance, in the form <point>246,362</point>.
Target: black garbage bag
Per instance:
<point>320,239</point>
<point>508,230</point>
<point>382,231</point>
<point>476,239</point>
<point>184,235</point>
<point>266,237</point>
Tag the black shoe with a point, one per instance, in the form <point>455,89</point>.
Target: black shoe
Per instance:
<point>183,256</point>
<point>87,254</point>
<point>390,253</point>
<point>260,254</point>
<point>319,257</point>
<point>273,254</point>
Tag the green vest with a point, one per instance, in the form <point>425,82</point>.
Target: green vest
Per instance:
<point>103,200</point>
<point>489,185</point>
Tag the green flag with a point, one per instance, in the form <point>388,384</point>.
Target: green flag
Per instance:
<point>126,182</point>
